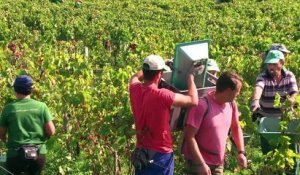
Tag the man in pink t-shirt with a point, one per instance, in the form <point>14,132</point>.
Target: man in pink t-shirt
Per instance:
<point>206,133</point>
<point>151,110</point>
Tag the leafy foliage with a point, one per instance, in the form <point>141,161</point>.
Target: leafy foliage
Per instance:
<point>81,55</point>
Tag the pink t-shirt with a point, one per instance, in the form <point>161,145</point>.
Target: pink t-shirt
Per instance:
<point>151,111</point>
<point>212,129</point>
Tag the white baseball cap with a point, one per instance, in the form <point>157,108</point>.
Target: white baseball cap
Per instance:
<point>154,62</point>
<point>212,65</point>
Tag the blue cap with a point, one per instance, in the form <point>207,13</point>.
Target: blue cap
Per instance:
<point>23,81</point>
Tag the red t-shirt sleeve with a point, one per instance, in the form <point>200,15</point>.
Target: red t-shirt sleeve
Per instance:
<point>168,97</point>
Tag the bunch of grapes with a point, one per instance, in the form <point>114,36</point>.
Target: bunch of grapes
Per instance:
<point>12,46</point>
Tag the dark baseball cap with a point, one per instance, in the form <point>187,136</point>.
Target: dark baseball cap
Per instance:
<point>280,47</point>
<point>23,81</point>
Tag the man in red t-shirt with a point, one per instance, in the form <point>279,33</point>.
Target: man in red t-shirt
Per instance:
<point>151,110</point>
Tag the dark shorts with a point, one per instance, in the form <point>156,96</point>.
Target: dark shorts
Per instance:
<point>194,169</point>
<point>18,165</point>
<point>161,164</point>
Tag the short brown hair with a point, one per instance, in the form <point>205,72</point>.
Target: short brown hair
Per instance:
<point>149,74</point>
<point>226,80</point>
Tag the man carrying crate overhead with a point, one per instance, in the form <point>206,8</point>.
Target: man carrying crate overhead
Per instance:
<point>151,110</point>
<point>207,127</point>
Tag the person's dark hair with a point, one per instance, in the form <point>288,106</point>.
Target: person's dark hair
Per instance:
<point>23,90</point>
<point>228,80</point>
<point>149,74</point>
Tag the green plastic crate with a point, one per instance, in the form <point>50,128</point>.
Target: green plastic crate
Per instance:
<point>186,56</point>
<point>269,129</point>
<point>270,132</point>
<point>2,164</point>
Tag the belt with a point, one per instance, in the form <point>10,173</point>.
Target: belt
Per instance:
<point>150,153</point>
<point>38,146</point>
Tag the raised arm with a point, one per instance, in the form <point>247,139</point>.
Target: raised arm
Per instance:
<point>191,99</point>
<point>137,77</point>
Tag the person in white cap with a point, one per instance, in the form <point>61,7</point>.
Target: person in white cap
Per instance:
<point>151,110</point>
<point>274,46</point>
<point>212,67</point>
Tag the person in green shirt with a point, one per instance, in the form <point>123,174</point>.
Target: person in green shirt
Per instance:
<point>25,126</point>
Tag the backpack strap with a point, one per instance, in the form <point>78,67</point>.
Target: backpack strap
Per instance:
<point>207,106</point>
<point>181,142</point>
<point>206,111</point>
<point>204,116</point>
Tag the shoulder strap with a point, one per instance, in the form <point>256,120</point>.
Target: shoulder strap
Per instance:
<point>207,107</point>
<point>181,142</point>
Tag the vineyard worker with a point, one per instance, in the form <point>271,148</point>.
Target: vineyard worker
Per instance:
<point>273,80</point>
<point>274,46</point>
<point>212,67</point>
<point>207,127</point>
<point>27,124</point>
<point>151,111</point>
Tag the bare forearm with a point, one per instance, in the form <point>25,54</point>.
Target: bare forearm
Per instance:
<point>137,77</point>
<point>191,99</point>
<point>194,149</point>
<point>257,93</point>
<point>192,90</point>
<point>140,75</point>
<point>238,138</point>
<point>239,142</point>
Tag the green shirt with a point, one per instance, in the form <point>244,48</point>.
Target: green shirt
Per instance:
<point>25,120</point>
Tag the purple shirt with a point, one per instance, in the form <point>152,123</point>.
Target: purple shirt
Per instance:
<point>212,129</point>
<point>286,86</point>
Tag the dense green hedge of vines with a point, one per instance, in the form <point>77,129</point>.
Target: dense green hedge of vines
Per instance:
<point>81,58</point>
